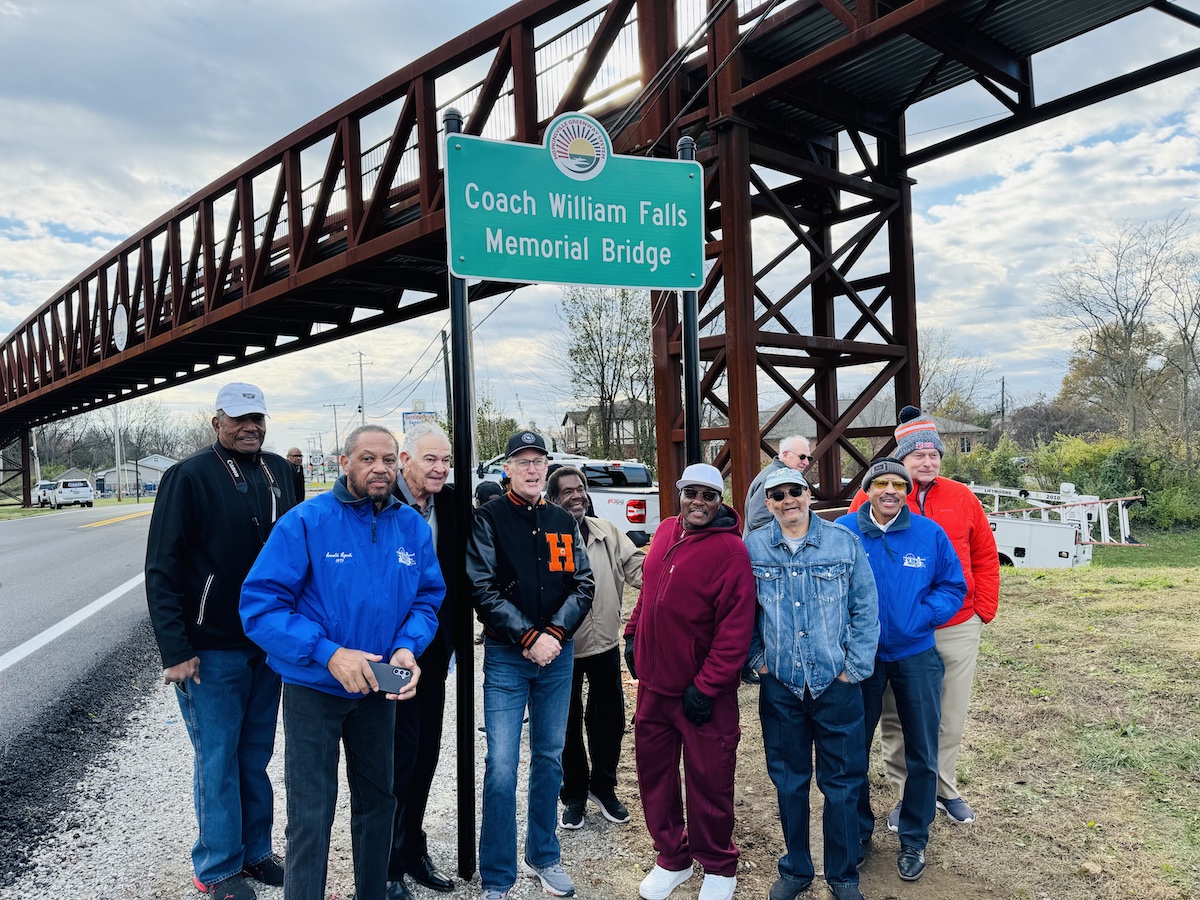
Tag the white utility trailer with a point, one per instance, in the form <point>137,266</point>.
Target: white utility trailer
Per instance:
<point>1056,530</point>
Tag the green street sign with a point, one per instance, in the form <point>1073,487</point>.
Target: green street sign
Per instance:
<point>572,212</point>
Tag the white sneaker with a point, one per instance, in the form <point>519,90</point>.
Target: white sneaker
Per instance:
<point>660,882</point>
<point>718,887</point>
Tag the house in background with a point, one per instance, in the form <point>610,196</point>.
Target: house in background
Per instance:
<point>581,429</point>
<point>959,437</point>
<point>146,472</point>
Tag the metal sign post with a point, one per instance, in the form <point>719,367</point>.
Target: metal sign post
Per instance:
<point>686,148</point>
<point>464,636</point>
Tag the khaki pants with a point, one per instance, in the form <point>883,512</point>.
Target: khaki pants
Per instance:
<point>959,648</point>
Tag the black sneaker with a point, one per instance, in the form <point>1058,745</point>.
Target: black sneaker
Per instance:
<point>614,810</point>
<point>864,850</point>
<point>910,863</point>
<point>572,815</point>
<point>786,888</point>
<point>266,871</point>
<point>232,888</point>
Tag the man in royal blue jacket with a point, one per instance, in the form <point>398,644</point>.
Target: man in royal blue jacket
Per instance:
<point>347,579</point>
<point>921,585</point>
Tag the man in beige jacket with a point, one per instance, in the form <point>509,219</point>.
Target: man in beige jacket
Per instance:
<point>615,562</point>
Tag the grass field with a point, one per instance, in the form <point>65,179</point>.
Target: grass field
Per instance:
<point>1083,748</point>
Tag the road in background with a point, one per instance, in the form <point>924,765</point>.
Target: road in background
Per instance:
<point>54,566</point>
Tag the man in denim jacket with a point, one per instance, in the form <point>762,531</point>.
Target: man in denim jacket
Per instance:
<point>815,634</point>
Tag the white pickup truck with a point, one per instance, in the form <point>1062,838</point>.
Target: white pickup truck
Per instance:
<point>622,491</point>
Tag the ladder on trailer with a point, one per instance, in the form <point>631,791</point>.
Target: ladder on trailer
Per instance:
<point>1085,512</point>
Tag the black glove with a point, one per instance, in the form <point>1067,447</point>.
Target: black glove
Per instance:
<point>629,657</point>
<point>697,706</point>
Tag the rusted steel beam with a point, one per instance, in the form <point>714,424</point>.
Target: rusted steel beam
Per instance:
<point>861,39</point>
<point>489,91</point>
<point>610,26</point>
<point>1114,87</point>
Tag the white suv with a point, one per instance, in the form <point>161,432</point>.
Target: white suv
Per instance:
<point>43,492</point>
<point>72,491</point>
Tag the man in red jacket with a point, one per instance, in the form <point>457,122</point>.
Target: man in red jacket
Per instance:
<point>959,512</point>
<point>686,643</point>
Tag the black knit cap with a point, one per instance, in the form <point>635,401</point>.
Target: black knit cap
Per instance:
<point>886,465</point>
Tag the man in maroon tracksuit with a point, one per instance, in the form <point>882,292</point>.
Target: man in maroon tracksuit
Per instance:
<point>686,643</point>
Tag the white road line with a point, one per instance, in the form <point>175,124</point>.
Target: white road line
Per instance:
<point>35,643</point>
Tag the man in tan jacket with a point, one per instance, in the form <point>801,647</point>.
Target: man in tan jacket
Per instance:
<point>615,563</point>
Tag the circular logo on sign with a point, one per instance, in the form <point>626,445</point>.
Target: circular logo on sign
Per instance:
<point>578,145</point>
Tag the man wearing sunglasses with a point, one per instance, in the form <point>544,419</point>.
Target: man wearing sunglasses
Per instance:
<point>814,641</point>
<point>686,642</point>
<point>920,585</point>
<point>953,506</point>
<point>532,586</point>
<point>793,456</point>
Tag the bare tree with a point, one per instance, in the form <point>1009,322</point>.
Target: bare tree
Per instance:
<point>1181,312</point>
<point>1107,297</point>
<point>955,381</point>
<point>604,349</point>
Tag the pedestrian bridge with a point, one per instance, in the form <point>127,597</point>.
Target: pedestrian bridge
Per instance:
<point>339,228</point>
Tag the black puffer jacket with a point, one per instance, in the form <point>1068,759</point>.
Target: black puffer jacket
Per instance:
<point>528,569</point>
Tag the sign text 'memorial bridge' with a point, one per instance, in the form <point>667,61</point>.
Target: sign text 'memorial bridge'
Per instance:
<point>282,253</point>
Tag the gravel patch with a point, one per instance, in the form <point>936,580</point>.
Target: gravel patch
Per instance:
<point>118,823</point>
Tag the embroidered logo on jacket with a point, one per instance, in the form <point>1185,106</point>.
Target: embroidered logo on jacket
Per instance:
<point>561,557</point>
<point>912,561</point>
<point>339,556</point>
<point>405,558</point>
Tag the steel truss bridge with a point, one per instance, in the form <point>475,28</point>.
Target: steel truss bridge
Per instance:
<point>339,227</point>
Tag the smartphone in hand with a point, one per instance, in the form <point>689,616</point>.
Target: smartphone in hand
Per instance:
<point>391,679</point>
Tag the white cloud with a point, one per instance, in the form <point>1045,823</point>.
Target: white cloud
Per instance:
<point>114,112</point>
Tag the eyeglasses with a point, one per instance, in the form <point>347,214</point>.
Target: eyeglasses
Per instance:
<point>882,484</point>
<point>794,491</point>
<point>527,462</point>
<point>689,493</point>
<point>803,457</point>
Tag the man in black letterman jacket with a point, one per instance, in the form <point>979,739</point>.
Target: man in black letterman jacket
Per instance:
<point>212,515</point>
<point>532,585</point>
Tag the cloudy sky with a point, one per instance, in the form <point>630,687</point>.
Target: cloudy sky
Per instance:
<point>113,112</point>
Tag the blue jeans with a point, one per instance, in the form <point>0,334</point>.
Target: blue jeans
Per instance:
<point>314,723</point>
<point>510,683</point>
<point>917,686</point>
<point>230,717</point>
<point>792,726</point>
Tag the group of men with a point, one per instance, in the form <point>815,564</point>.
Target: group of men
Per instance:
<point>253,594</point>
<point>875,617</point>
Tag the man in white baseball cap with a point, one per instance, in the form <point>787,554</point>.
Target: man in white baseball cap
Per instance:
<point>686,642</point>
<point>215,511</point>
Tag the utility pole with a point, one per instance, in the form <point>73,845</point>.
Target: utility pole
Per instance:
<point>446,367</point>
<point>337,439</point>
<point>1002,404</point>
<point>362,403</point>
<point>117,445</point>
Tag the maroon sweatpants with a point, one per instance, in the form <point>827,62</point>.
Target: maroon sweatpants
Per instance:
<point>660,731</point>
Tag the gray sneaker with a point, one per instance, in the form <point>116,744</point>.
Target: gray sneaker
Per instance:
<point>492,894</point>
<point>553,877</point>
<point>894,819</point>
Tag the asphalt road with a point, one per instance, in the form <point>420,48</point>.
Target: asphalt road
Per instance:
<point>52,567</point>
